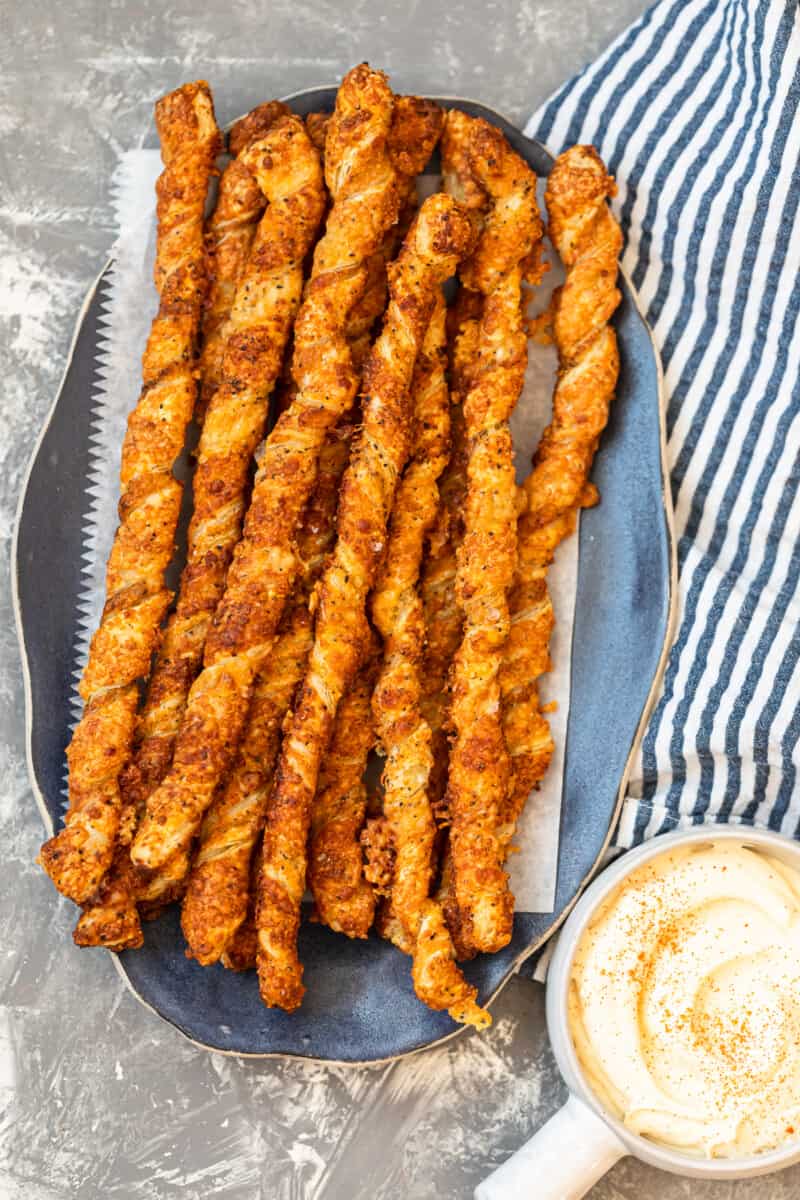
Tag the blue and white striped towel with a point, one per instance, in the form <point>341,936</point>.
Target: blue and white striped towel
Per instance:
<point>695,110</point>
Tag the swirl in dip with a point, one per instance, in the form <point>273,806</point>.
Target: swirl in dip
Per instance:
<point>684,1001</point>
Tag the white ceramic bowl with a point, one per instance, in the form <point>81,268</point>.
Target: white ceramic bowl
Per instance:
<point>582,1141</point>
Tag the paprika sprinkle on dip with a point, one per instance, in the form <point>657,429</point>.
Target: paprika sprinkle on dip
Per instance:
<point>684,1001</point>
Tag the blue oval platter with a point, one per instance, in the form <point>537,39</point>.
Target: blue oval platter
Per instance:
<point>360,1006</point>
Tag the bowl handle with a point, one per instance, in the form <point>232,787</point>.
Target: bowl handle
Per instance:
<point>560,1162</point>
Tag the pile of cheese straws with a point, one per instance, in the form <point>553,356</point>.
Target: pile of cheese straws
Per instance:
<point>381,584</point>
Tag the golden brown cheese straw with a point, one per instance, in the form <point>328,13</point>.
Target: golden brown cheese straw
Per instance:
<point>414,132</point>
<point>365,191</point>
<point>404,734</point>
<point>229,237</point>
<point>344,900</point>
<point>78,857</point>
<point>285,168</point>
<point>589,241</point>
<point>437,241</point>
<point>442,614</point>
<point>480,770</point>
<point>398,616</point>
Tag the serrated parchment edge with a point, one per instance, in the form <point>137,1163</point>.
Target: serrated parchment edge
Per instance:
<point>103,442</point>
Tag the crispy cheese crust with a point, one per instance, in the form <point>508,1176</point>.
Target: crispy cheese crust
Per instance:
<point>437,241</point>
<point>589,241</point>
<point>216,900</point>
<point>343,898</point>
<point>215,903</point>
<point>365,191</point>
<point>443,619</point>
<point>405,736</point>
<point>288,172</point>
<point>229,237</point>
<point>79,856</point>
<point>480,770</point>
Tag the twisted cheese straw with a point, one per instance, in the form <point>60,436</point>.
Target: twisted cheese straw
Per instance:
<point>78,856</point>
<point>398,616</point>
<point>437,586</point>
<point>365,190</point>
<point>479,772</point>
<point>404,734</point>
<point>229,237</point>
<point>442,614</point>
<point>438,239</point>
<point>286,389</point>
<point>343,898</point>
<point>286,168</point>
<point>589,241</point>
<point>216,899</point>
<point>443,617</point>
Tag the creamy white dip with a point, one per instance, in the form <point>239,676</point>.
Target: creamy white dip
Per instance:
<point>684,1001</point>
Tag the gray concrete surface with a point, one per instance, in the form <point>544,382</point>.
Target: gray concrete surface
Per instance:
<point>98,1099</point>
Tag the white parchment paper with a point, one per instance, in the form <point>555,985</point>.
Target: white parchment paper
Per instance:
<point>129,309</point>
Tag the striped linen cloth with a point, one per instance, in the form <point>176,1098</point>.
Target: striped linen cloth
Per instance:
<point>695,110</point>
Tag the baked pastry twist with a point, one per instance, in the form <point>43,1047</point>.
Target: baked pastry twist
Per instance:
<point>437,241</point>
<point>365,191</point>
<point>480,770</point>
<point>588,239</point>
<point>336,848</point>
<point>404,734</point>
<point>79,856</point>
<point>216,899</point>
<point>229,237</point>
<point>443,620</point>
<point>343,898</point>
<point>215,903</point>
<point>397,613</point>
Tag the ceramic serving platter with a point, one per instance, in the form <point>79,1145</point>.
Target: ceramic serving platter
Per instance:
<point>360,1006</point>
